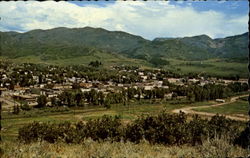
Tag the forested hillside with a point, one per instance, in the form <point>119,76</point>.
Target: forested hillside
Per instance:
<point>66,43</point>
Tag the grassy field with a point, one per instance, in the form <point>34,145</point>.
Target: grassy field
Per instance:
<point>106,59</point>
<point>11,123</point>
<point>239,107</point>
<point>12,148</point>
<point>212,67</point>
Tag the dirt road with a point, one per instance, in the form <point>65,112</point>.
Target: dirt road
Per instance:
<point>189,110</point>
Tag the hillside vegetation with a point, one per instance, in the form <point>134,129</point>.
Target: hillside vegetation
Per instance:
<point>65,43</point>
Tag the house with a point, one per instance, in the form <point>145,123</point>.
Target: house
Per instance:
<point>120,85</point>
<point>169,95</point>
<point>29,99</point>
<point>193,80</point>
<point>85,90</point>
<point>60,87</point>
<point>140,73</point>
<point>173,80</point>
<point>220,100</point>
<point>136,96</point>
<point>85,85</point>
<point>148,87</point>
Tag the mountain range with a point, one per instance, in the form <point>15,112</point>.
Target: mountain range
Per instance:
<point>66,43</point>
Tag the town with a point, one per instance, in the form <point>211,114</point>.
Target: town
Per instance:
<point>33,85</point>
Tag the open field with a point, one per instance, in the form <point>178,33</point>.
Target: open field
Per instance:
<point>11,123</point>
<point>106,59</point>
<point>236,110</point>
<point>214,67</point>
<point>89,148</point>
<point>240,107</point>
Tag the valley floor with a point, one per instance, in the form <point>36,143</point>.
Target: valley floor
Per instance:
<point>11,123</point>
<point>211,110</point>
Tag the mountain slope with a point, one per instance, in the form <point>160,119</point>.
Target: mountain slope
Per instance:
<point>65,43</point>
<point>171,48</point>
<point>233,47</point>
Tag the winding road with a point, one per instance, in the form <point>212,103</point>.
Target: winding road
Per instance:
<point>189,110</point>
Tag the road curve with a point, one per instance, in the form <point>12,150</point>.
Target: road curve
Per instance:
<point>189,110</point>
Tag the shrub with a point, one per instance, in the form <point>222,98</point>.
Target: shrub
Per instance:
<point>165,128</point>
<point>104,128</point>
<point>25,107</point>
<point>244,138</point>
<point>220,126</point>
<point>135,132</point>
<point>197,130</point>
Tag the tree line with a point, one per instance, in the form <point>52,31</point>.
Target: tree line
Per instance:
<point>76,97</point>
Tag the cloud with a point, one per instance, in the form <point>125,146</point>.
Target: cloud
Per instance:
<point>221,2</point>
<point>147,19</point>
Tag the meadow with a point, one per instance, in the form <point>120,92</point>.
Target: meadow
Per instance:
<point>240,107</point>
<point>213,67</point>
<point>11,123</point>
<point>11,147</point>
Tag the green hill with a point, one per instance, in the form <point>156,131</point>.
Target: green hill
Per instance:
<point>65,44</point>
<point>231,48</point>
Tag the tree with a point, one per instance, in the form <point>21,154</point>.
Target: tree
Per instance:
<point>53,101</point>
<point>191,96</point>
<point>41,100</point>
<point>25,107</point>
<point>16,109</point>
<point>78,98</point>
<point>107,103</point>
<point>95,63</point>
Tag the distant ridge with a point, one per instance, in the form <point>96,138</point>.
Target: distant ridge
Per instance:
<point>61,43</point>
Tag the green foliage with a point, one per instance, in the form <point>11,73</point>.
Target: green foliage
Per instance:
<point>25,107</point>
<point>16,109</point>
<point>63,43</point>
<point>244,138</point>
<point>95,63</point>
<point>42,101</point>
<point>105,128</point>
<point>165,128</point>
<point>158,62</point>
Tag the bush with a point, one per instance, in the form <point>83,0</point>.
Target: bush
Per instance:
<point>100,129</point>
<point>162,129</point>
<point>220,126</point>
<point>25,107</point>
<point>165,128</point>
<point>197,130</point>
<point>244,138</point>
<point>105,128</point>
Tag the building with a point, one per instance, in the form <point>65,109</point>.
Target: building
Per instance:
<point>220,100</point>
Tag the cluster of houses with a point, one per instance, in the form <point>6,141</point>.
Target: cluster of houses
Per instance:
<point>30,94</point>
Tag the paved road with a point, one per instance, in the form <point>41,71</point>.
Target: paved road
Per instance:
<point>189,110</point>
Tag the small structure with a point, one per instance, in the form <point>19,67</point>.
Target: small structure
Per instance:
<point>220,100</point>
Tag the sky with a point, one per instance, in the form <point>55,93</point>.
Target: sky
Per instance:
<point>150,19</point>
